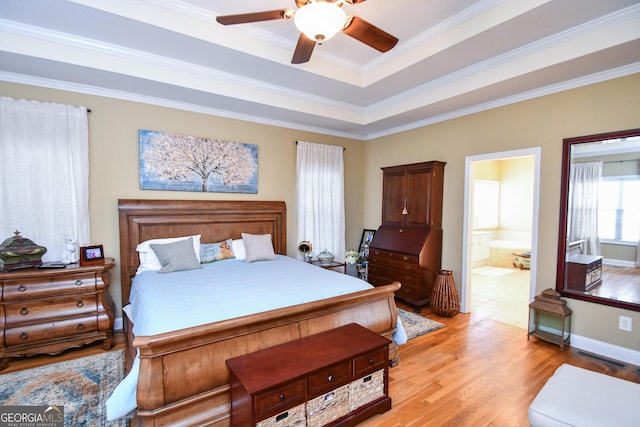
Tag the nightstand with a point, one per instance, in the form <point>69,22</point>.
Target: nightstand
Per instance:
<point>333,265</point>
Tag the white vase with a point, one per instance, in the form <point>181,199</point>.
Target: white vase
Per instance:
<point>325,257</point>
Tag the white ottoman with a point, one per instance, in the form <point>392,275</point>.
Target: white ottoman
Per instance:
<point>578,397</point>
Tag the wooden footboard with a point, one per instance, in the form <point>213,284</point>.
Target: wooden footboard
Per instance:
<point>183,376</point>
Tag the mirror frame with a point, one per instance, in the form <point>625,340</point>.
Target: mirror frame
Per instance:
<point>567,143</point>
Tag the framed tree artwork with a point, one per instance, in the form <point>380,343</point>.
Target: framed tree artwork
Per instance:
<point>190,163</point>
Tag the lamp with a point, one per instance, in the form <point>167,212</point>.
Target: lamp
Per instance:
<point>305,247</point>
<point>320,20</point>
<point>550,318</point>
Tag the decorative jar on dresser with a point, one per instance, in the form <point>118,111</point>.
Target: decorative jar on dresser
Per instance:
<point>50,310</point>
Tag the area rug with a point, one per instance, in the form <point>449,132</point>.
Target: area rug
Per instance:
<point>81,386</point>
<point>416,325</point>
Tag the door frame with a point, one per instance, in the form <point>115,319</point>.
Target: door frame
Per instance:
<point>467,229</point>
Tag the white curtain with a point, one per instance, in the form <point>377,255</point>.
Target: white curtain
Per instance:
<point>584,180</point>
<point>320,175</point>
<point>44,166</point>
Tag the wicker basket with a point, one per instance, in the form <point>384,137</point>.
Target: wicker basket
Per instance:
<point>294,417</point>
<point>445,299</point>
<point>366,389</point>
<point>329,407</point>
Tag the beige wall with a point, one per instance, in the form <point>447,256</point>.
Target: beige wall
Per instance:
<point>114,156</point>
<point>541,122</point>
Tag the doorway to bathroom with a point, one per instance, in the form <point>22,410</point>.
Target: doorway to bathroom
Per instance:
<point>500,235</point>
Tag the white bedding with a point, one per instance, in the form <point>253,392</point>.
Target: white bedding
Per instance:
<point>261,286</point>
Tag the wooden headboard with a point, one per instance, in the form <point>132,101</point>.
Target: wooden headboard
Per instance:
<point>216,220</point>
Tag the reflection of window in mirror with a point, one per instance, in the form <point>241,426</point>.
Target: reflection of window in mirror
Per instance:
<point>486,204</point>
<point>619,209</point>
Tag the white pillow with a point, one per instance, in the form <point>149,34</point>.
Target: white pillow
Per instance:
<point>258,247</point>
<point>148,258</point>
<point>237,246</point>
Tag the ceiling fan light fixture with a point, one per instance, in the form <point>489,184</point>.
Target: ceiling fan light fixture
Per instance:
<point>320,21</point>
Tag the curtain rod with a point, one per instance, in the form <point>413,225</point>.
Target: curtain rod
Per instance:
<point>343,148</point>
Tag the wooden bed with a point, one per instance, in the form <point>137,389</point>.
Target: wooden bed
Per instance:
<point>183,377</point>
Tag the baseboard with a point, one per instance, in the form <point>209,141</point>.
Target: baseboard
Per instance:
<point>117,324</point>
<point>611,351</point>
<point>618,263</point>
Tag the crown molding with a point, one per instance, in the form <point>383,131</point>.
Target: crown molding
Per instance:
<point>362,135</point>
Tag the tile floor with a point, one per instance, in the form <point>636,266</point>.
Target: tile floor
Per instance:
<point>501,294</point>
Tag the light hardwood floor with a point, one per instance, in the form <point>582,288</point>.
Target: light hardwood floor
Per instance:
<point>474,372</point>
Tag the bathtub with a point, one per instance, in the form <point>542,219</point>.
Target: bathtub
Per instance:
<point>501,249</point>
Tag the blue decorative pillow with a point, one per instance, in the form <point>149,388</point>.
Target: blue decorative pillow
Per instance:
<point>210,252</point>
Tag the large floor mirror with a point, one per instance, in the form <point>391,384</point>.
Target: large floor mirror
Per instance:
<point>599,235</point>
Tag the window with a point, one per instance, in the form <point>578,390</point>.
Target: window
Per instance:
<point>619,209</point>
<point>45,149</point>
<point>486,204</point>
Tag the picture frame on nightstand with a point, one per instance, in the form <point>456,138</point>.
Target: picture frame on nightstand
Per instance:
<point>91,255</point>
<point>365,242</point>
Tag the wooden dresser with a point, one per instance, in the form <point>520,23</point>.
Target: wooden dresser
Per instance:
<point>408,245</point>
<point>50,310</point>
<point>338,378</point>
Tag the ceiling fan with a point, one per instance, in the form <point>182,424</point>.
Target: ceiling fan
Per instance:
<point>319,20</point>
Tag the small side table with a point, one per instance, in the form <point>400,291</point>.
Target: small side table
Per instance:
<point>332,266</point>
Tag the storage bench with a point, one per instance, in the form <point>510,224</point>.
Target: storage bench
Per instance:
<point>337,378</point>
<point>578,397</point>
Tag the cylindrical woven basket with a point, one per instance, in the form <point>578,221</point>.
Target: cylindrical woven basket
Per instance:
<point>445,299</point>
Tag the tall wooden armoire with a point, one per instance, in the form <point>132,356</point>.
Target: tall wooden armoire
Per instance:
<point>408,245</point>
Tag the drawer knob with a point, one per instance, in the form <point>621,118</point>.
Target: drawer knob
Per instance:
<point>371,361</point>
<point>78,282</point>
<point>22,288</point>
<point>80,326</point>
<point>24,311</point>
<point>80,303</point>
<point>24,336</point>
<point>330,378</point>
<point>406,258</point>
<point>282,397</point>
<point>406,291</point>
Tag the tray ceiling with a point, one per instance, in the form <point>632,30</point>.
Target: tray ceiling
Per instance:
<point>454,57</point>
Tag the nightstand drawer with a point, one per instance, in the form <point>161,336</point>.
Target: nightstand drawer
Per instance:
<point>329,379</point>
<point>73,283</point>
<point>275,401</point>
<point>38,310</point>
<point>50,331</point>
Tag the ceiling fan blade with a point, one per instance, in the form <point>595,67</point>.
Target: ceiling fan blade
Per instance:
<point>304,49</point>
<point>369,34</point>
<point>244,18</point>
